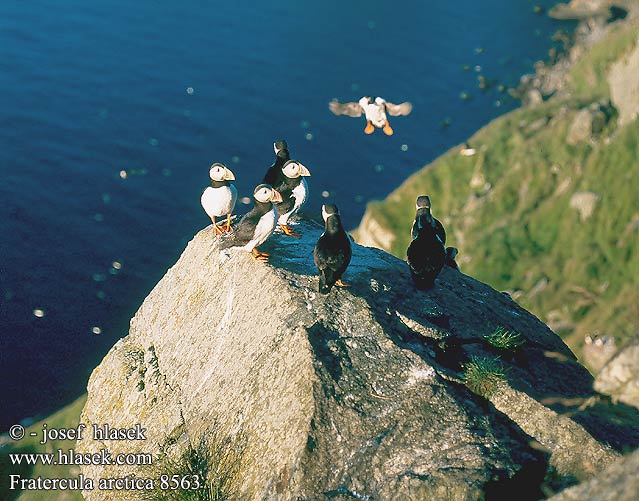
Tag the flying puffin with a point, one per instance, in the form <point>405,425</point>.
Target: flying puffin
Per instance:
<point>375,109</point>
<point>256,225</point>
<point>423,207</point>
<point>333,250</point>
<point>294,191</point>
<point>425,254</point>
<point>219,199</point>
<point>274,175</point>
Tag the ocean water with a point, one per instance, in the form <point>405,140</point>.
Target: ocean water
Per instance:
<point>162,89</point>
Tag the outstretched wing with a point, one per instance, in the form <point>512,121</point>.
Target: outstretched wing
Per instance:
<point>350,109</point>
<point>398,109</point>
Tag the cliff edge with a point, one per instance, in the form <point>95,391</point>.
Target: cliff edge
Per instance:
<point>361,394</point>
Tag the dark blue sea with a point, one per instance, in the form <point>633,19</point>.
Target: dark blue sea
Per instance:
<point>160,89</point>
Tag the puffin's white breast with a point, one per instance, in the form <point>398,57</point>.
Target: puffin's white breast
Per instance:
<point>218,202</point>
<point>375,114</point>
<point>263,230</point>
<point>299,192</point>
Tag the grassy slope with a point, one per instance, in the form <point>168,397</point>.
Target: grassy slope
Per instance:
<point>522,229</point>
<point>66,417</point>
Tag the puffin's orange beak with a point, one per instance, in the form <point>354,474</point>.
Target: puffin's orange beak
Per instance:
<point>228,175</point>
<point>276,196</point>
<point>304,171</point>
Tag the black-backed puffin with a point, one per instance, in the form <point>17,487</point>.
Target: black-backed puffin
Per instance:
<point>218,200</point>
<point>451,254</point>
<point>274,174</point>
<point>423,206</point>
<point>425,254</point>
<point>333,250</point>
<point>256,225</point>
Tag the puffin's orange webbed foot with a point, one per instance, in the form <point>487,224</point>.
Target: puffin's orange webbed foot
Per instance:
<point>259,256</point>
<point>227,227</point>
<point>216,228</point>
<point>369,128</point>
<point>289,231</point>
<point>340,283</point>
<point>388,130</point>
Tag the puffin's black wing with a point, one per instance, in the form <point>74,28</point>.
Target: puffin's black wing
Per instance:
<point>273,175</point>
<point>398,109</point>
<point>350,109</point>
<point>425,257</point>
<point>332,255</point>
<point>439,230</point>
<point>244,231</point>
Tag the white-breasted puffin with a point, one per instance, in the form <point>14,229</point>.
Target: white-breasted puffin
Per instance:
<point>218,200</point>
<point>256,225</point>
<point>425,254</point>
<point>423,206</point>
<point>274,174</point>
<point>333,250</point>
<point>294,191</point>
<point>375,109</point>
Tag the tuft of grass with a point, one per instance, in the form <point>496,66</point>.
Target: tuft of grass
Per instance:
<point>217,460</point>
<point>483,375</point>
<point>505,340</point>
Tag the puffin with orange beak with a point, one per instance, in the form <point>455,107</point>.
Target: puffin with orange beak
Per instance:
<point>218,200</point>
<point>256,225</point>
<point>294,192</point>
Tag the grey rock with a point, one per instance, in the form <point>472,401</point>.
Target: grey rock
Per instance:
<point>357,394</point>
<point>584,202</point>
<point>619,482</point>
<point>620,376</point>
<point>624,90</point>
<point>586,123</point>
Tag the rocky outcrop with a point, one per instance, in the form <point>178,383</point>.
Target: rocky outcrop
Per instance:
<point>360,394</point>
<point>620,376</point>
<point>587,9</point>
<point>619,482</point>
<point>624,88</point>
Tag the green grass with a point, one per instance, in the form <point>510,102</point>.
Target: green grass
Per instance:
<point>483,375</point>
<point>515,228</point>
<point>504,340</point>
<point>67,417</point>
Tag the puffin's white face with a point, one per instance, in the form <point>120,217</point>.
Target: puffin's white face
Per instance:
<point>264,193</point>
<point>293,169</point>
<point>422,202</point>
<point>219,172</point>
<point>326,215</point>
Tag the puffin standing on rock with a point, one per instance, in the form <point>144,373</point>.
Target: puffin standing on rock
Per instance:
<point>273,175</point>
<point>423,207</point>
<point>375,109</point>
<point>425,254</point>
<point>294,191</point>
<point>219,199</point>
<point>256,225</point>
<point>333,250</point>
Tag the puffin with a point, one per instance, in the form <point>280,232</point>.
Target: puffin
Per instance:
<point>451,254</point>
<point>375,109</point>
<point>423,206</point>
<point>294,191</point>
<point>219,199</point>
<point>332,252</point>
<point>273,175</point>
<point>256,225</point>
<point>425,254</point>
